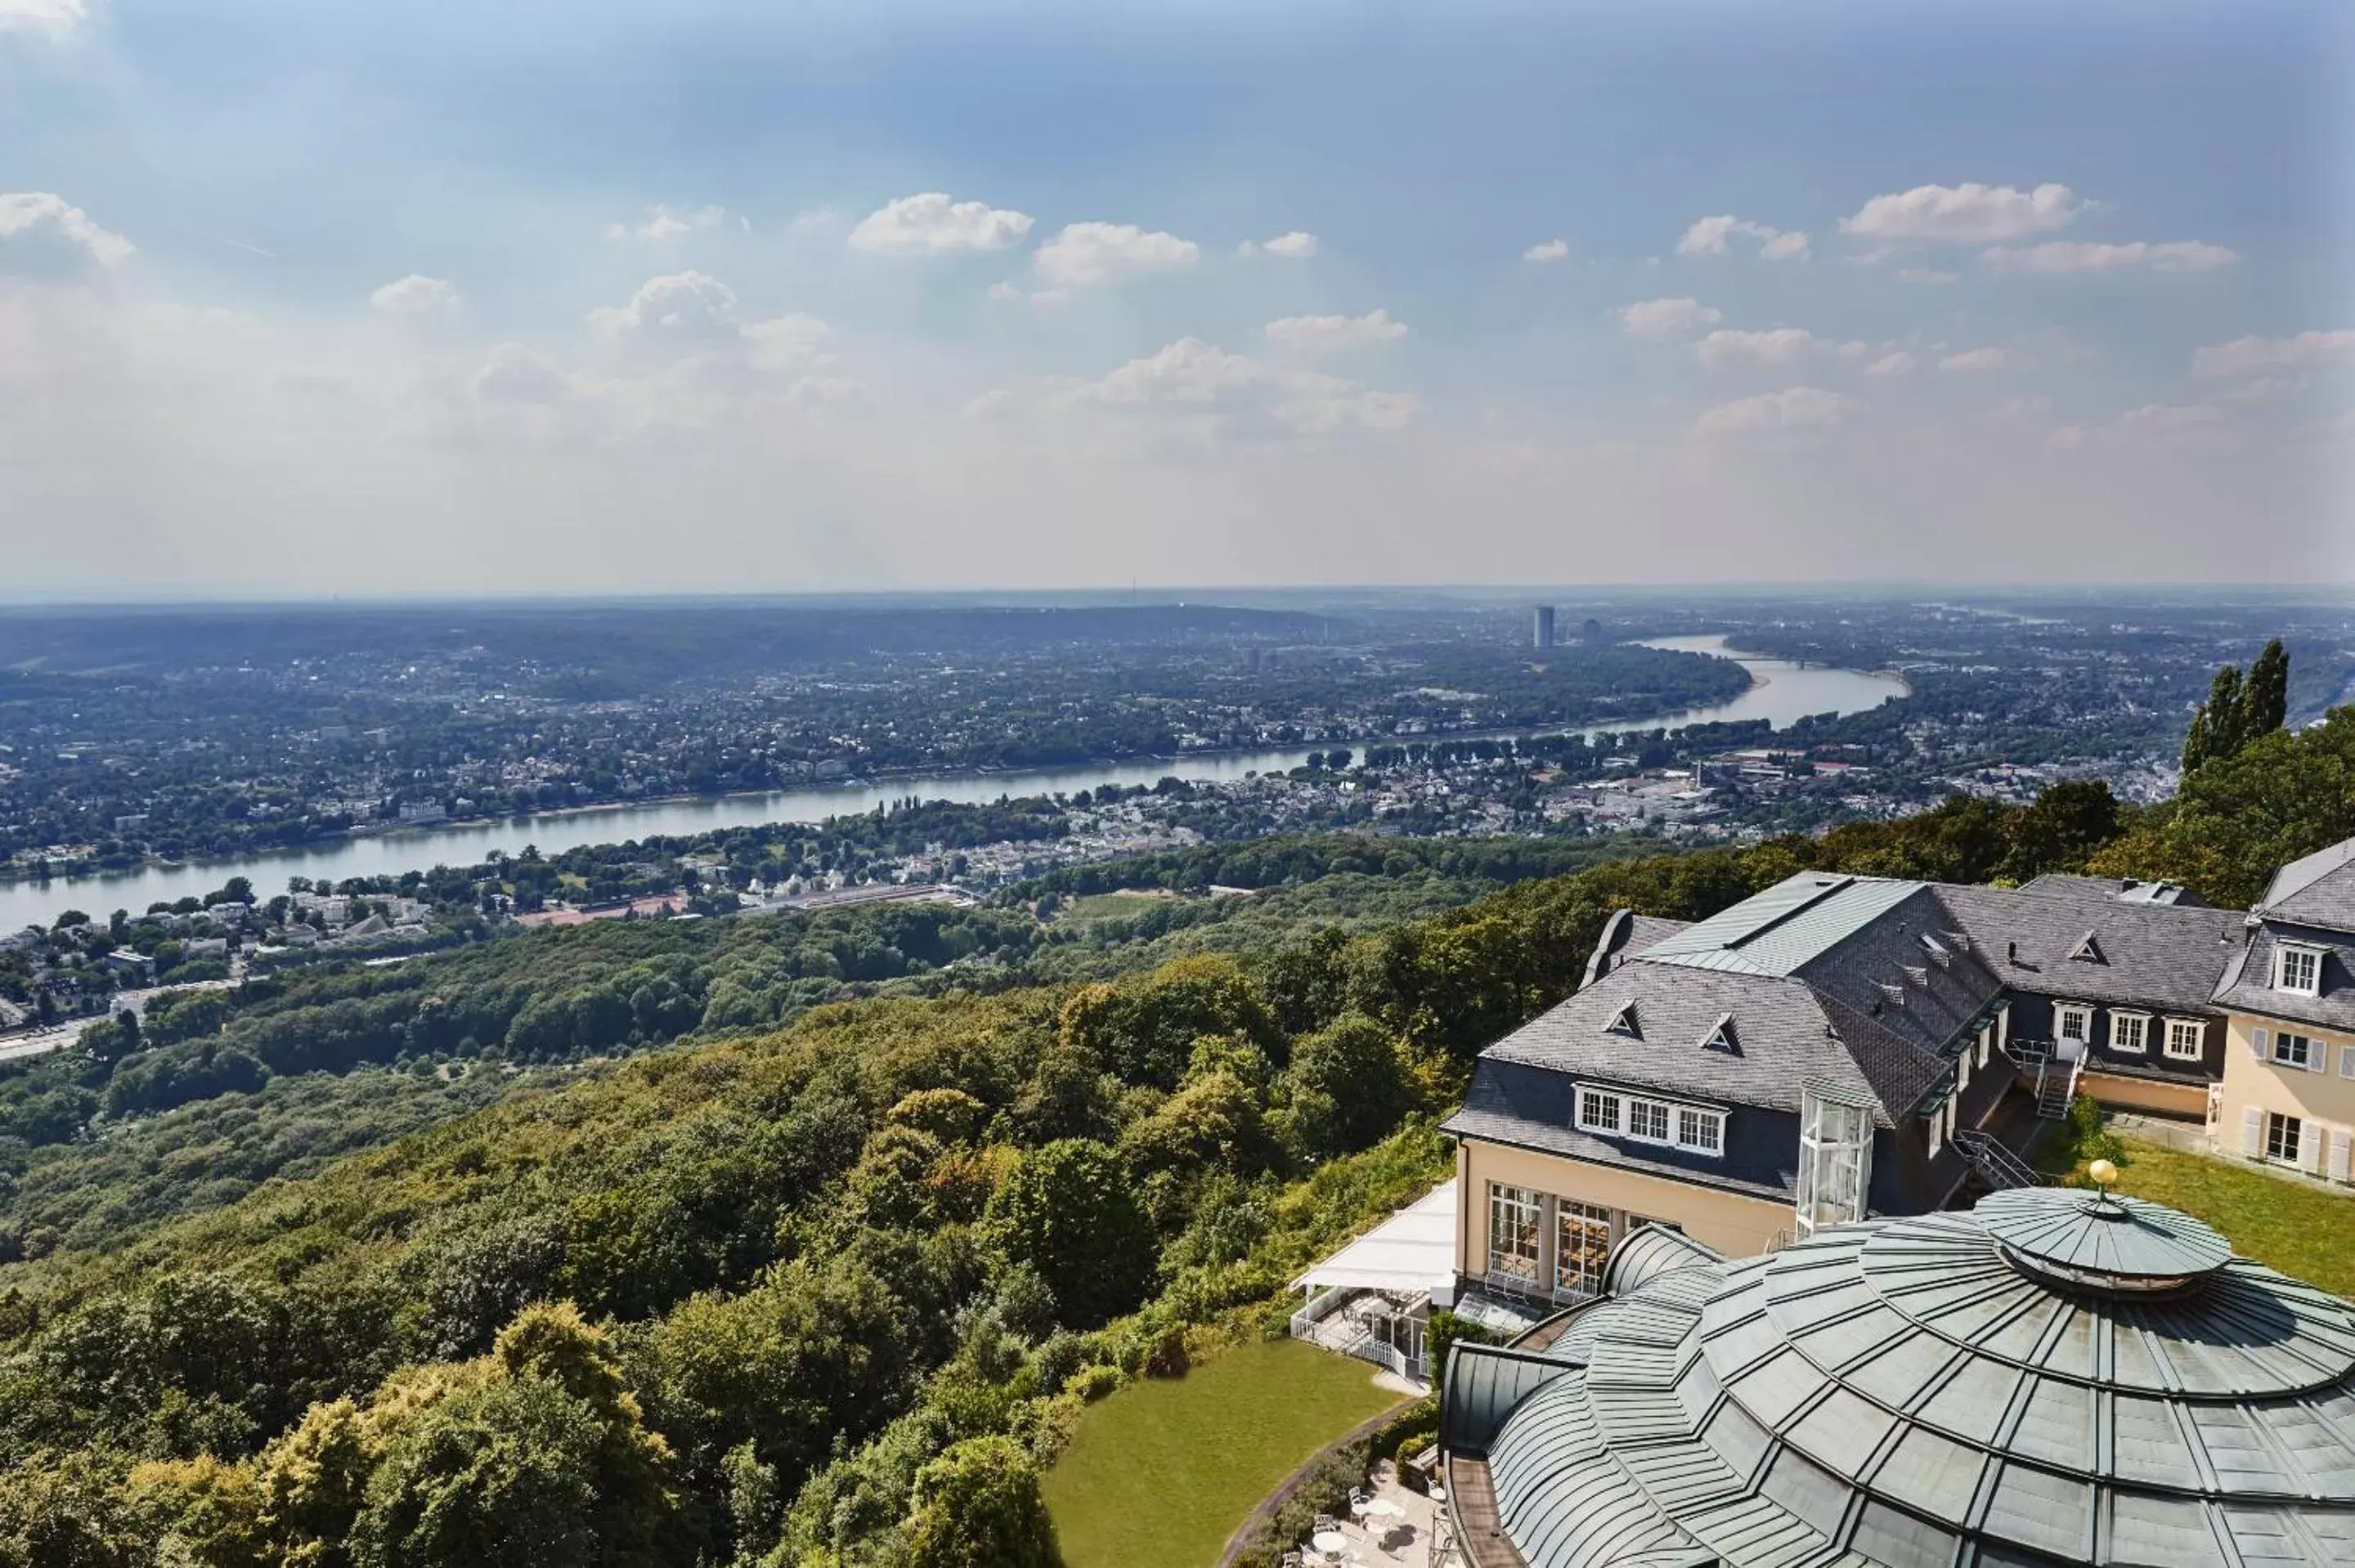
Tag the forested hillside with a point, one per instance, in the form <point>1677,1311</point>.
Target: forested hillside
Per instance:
<point>830,1295</point>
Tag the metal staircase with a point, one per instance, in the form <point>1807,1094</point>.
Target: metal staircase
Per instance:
<point>1999,1167</point>
<point>2055,1075</point>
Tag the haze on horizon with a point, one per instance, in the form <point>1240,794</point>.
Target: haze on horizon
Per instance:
<point>616,297</point>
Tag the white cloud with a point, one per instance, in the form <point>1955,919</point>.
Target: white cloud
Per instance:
<point>1320,334</point>
<point>1094,252</point>
<point>1896,363</point>
<point>2246,355</point>
<point>1297,246</point>
<point>1967,214</point>
<point>1985,359</point>
<point>1928,275</point>
<point>1249,395</point>
<point>663,223</point>
<point>2062,256</point>
<point>930,224</point>
<point>2162,418</point>
<point>1547,250</point>
<point>1002,290</point>
<point>517,373</point>
<point>1709,237</point>
<point>54,19</point>
<point>692,313</point>
<point>1778,345</point>
<point>1793,408</point>
<point>1667,318</point>
<point>44,235</point>
<point>416,295</point>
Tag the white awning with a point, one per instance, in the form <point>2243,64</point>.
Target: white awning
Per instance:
<point>1412,1252</point>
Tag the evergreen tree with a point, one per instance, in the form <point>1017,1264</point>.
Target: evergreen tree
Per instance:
<point>2195,741</point>
<point>2264,698</point>
<point>2226,728</point>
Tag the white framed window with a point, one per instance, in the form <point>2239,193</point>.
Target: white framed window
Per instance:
<point>2284,1136</point>
<point>1581,1246</point>
<point>2187,1039</point>
<point>1987,1044</point>
<point>2130,1033</point>
<point>2298,968</point>
<point>1513,1221</point>
<point>1641,1120</point>
<point>2073,1021</point>
<point>1648,1121</point>
<point>2293,1051</point>
<point>1938,1129</point>
<point>2347,1060</point>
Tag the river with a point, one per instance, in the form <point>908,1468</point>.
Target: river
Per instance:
<point>1780,691</point>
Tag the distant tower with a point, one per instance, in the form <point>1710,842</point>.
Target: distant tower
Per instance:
<point>1594,629</point>
<point>1541,634</point>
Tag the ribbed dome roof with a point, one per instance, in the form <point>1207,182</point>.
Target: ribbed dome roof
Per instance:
<point>1904,1392</point>
<point>2095,1238</point>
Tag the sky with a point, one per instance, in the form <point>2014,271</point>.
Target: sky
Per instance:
<point>595,297</point>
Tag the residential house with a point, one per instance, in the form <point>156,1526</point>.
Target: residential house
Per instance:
<point>2287,1094</point>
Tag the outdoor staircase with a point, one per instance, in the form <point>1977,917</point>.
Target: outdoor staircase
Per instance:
<point>1999,1167</point>
<point>2055,1078</point>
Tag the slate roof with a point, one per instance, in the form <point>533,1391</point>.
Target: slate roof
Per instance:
<point>1625,933</point>
<point>1899,1393</point>
<point>2247,987</point>
<point>1778,931</point>
<point>2114,889</point>
<point>2318,890</point>
<point>2159,956</point>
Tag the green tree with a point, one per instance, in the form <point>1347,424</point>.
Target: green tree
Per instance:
<point>1068,1210</point>
<point>978,1506</point>
<point>1348,1088</point>
<point>2064,826</point>
<point>2264,696</point>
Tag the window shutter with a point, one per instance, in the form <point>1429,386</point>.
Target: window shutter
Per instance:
<point>2257,1044</point>
<point>2314,1150</point>
<point>2252,1130</point>
<point>2340,1141</point>
<point>2318,1055</point>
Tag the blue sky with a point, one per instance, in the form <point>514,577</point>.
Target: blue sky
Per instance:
<point>443,296</point>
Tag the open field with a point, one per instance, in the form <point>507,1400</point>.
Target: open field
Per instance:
<point>1164,1471</point>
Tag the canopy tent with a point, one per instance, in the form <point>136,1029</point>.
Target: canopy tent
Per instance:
<point>1412,1252</point>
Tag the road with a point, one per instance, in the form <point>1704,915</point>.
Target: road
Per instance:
<point>61,1036</point>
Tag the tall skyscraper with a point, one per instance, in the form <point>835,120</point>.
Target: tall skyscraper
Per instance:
<point>1541,634</point>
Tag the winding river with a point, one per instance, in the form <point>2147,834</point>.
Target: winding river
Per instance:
<point>1780,691</point>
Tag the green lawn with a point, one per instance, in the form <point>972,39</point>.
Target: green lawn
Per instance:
<point>2306,1231</point>
<point>1164,1471</point>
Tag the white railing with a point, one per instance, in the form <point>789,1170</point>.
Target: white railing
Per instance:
<point>1320,1308</point>
<point>1999,1165</point>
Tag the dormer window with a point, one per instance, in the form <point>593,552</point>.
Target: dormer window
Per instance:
<point>1721,1035</point>
<point>2089,951</point>
<point>1624,1024</point>
<point>2298,968</point>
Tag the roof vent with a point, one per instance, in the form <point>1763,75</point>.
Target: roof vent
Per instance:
<point>2089,951</point>
<point>1624,1023</point>
<point>1958,940</point>
<point>1894,994</point>
<point>1720,1036</point>
<point>1917,974</point>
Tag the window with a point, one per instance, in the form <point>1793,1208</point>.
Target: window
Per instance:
<point>2299,970</point>
<point>2071,1022</point>
<point>2282,1137</point>
<point>2293,1051</point>
<point>1937,1130</point>
<point>1581,1246</point>
<point>1512,1232</point>
<point>1700,1129</point>
<point>1835,1161</point>
<point>1987,1044</point>
<point>1625,1022</point>
<point>2187,1039</point>
<point>1643,1120</point>
<point>2347,1060</point>
<point>2130,1032</point>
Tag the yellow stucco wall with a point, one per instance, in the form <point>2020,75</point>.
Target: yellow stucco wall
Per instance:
<point>1736,1225</point>
<point>2326,1099</point>
<point>2189,1100</point>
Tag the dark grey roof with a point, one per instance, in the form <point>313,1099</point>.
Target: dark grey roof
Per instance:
<point>2114,889</point>
<point>1625,934</point>
<point>1784,1038</point>
<point>1899,1393</point>
<point>2248,987</point>
<point>2318,890</point>
<point>2096,1235</point>
<point>2158,956</point>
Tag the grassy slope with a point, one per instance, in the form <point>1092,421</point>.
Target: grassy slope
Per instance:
<point>1163,1471</point>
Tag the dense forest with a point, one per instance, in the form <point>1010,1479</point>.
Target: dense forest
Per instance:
<point>830,1295</point>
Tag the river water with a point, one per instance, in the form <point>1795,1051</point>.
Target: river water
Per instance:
<point>1780,691</point>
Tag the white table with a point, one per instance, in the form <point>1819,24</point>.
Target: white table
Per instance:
<point>1330,1543</point>
<point>1383,1508</point>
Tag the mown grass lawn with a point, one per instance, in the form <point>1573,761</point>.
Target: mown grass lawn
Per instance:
<point>1163,1471</point>
<point>2306,1231</point>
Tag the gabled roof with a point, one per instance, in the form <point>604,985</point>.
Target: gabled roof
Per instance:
<point>2161,956</point>
<point>2318,890</point>
<point>2249,987</point>
<point>2114,890</point>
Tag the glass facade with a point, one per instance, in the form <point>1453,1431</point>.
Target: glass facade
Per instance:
<point>1835,1161</point>
<point>1513,1221</point>
<point>1581,1246</point>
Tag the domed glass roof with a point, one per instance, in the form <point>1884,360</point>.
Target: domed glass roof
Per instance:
<point>1995,1387</point>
